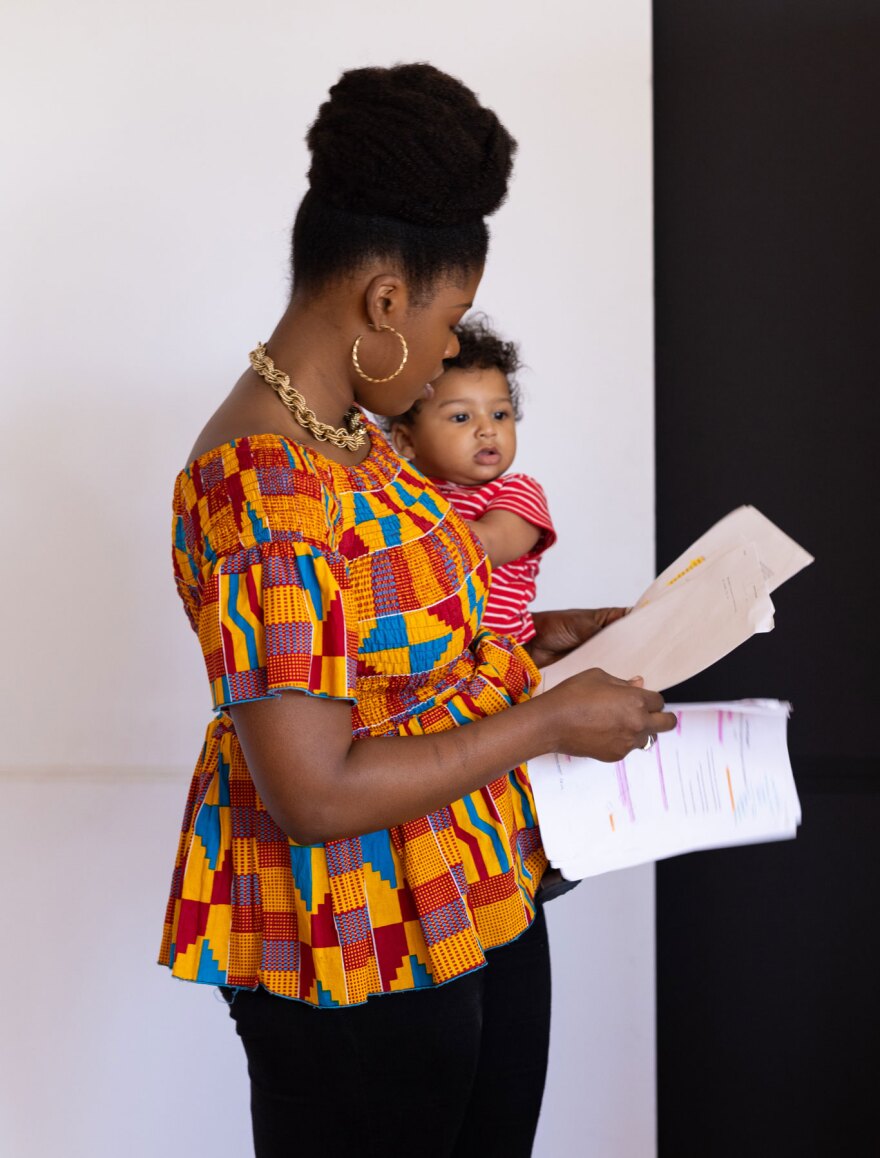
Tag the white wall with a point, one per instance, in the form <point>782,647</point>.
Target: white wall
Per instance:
<point>153,159</point>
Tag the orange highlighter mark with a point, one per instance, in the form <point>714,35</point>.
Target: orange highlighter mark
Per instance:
<point>611,819</point>
<point>730,790</point>
<point>693,563</point>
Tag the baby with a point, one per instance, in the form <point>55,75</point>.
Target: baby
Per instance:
<point>464,439</point>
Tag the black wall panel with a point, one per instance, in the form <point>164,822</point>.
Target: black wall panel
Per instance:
<point>767,194</point>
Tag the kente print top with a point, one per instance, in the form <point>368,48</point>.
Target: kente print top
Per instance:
<point>363,584</point>
<point>514,584</point>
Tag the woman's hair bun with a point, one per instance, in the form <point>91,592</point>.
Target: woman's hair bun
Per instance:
<point>412,143</point>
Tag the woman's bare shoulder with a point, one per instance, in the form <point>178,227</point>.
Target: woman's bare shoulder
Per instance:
<point>240,415</point>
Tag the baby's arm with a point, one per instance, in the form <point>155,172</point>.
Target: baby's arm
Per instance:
<point>516,520</point>
<point>505,536</point>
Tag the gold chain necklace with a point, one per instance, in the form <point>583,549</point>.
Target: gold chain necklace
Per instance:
<point>352,436</point>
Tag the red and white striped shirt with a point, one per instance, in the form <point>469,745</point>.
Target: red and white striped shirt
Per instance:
<point>512,587</point>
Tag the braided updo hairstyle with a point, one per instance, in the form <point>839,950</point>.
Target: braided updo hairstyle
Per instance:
<point>406,164</point>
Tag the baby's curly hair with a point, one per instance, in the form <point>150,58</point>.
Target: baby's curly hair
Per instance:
<point>481,349</point>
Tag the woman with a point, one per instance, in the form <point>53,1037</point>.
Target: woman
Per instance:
<point>356,841</point>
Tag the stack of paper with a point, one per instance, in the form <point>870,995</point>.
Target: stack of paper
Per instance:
<point>709,601</point>
<point>722,777</point>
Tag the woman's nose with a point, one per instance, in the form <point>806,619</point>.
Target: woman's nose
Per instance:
<point>453,347</point>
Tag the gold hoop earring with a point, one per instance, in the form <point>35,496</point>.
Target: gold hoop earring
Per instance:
<point>377,329</point>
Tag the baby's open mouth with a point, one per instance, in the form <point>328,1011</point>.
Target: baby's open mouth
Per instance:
<point>487,456</point>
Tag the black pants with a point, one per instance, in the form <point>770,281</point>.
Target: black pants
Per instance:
<point>451,1072</point>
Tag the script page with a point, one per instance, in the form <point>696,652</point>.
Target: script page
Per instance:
<point>710,600</point>
<point>722,777</point>
<point>781,557</point>
<point>669,640</point>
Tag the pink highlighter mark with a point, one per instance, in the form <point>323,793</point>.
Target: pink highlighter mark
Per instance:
<point>678,723</point>
<point>662,777</point>
<point>623,790</point>
<point>721,727</point>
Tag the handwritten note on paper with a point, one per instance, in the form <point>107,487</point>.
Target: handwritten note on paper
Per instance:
<point>713,598</point>
<point>722,778</point>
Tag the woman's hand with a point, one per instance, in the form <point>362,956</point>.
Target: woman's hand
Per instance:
<point>604,717</point>
<point>559,632</point>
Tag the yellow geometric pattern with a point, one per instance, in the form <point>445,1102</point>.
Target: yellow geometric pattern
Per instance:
<point>353,583</point>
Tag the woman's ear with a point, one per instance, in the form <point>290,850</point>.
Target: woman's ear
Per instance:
<point>401,440</point>
<point>385,299</point>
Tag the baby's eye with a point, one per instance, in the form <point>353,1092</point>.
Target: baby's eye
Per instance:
<point>459,417</point>
<point>501,414</point>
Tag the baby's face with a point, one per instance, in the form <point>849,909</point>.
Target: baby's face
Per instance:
<point>466,433</point>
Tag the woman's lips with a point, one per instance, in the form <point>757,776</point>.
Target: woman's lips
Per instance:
<point>429,390</point>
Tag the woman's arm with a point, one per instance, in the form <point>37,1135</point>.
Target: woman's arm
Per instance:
<point>319,785</point>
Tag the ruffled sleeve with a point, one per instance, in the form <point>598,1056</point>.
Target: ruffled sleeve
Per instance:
<point>278,616</point>
<point>260,575</point>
